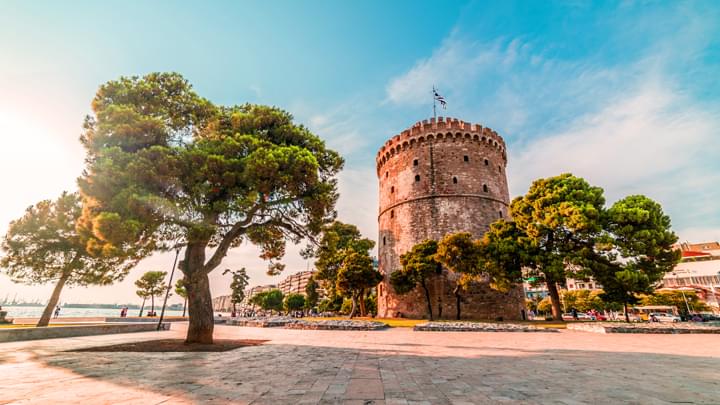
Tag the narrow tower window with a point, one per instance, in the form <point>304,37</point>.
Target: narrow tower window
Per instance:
<point>415,162</point>
<point>466,158</point>
<point>392,189</point>
<point>487,162</point>
<point>386,174</point>
<point>454,180</point>
<point>500,214</point>
<point>392,214</point>
<point>485,188</point>
<point>499,168</point>
<point>417,177</point>
<point>385,241</point>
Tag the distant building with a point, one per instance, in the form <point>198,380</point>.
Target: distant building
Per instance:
<point>698,270</point>
<point>295,283</point>
<point>223,303</point>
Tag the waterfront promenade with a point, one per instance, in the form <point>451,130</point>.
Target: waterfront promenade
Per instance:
<point>395,366</point>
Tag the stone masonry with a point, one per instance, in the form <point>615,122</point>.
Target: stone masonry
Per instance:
<point>441,176</point>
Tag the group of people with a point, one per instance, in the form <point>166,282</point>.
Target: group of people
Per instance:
<point>123,312</point>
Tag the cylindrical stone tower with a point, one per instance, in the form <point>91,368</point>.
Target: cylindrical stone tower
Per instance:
<point>438,177</point>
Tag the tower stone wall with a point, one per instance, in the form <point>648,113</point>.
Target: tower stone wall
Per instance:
<point>441,176</point>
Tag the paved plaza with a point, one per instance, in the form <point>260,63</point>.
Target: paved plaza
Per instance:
<point>395,366</point>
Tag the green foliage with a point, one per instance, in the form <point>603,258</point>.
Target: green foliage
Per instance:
<point>268,300</point>
<point>545,305</point>
<point>584,300</point>
<point>636,248</point>
<point>371,304</point>
<point>418,266</point>
<point>503,252</point>
<point>180,289</point>
<point>331,304</point>
<point>151,284</point>
<point>294,302</point>
<point>44,245</point>
<point>166,166</point>
<point>311,293</point>
<point>338,240</point>
<point>237,285</point>
<point>356,275</point>
<point>557,222</point>
<point>461,254</point>
<point>675,298</point>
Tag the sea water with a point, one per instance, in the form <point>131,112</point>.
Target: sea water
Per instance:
<point>35,312</point>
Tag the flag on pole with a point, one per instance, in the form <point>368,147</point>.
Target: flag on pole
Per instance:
<point>439,98</point>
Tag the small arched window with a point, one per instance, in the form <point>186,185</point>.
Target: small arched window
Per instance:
<point>466,158</point>
<point>487,162</point>
<point>386,174</point>
<point>392,189</point>
<point>384,241</point>
<point>454,180</point>
<point>485,188</point>
<point>500,214</point>
<point>499,168</point>
<point>392,214</point>
<point>415,162</point>
<point>417,177</point>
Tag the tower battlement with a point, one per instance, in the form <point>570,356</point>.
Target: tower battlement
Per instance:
<point>442,128</point>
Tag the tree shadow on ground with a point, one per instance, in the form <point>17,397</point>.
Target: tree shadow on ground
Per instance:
<point>282,373</point>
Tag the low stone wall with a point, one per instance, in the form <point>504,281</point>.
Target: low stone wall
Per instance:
<point>477,327</point>
<point>67,319</point>
<point>18,334</point>
<point>146,320</point>
<point>337,325</point>
<point>262,322</point>
<point>663,328</point>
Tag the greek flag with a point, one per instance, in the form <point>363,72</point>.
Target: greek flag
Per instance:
<point>440,98</point>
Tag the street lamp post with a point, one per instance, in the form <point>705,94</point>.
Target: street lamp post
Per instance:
<point>683,294</point>
<point>167,292</point>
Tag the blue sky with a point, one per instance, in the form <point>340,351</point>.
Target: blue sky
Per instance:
<point>625,94</point>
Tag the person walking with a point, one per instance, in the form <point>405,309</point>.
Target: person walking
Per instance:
<point>57,311</point>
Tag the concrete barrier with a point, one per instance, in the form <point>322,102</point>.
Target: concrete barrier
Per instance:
<point>146,320</point>
<point>54,332</point>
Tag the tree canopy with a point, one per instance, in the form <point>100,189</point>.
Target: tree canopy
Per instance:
<point>460,253</point>
<point>558,220</point>
<point>294,302</point>
<point>271,300</point>
<point>237,286</point>
<point>44,245</point>
<point>355,276</point>
<point>166,167</point>
<point>151,285</point>
<point>311,293</point>
<point>637,248</point>
<point>418,267</point>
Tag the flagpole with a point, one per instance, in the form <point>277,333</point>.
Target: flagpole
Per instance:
<point>434,112</point>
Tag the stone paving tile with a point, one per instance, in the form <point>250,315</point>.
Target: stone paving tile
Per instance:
<point>395,366</point>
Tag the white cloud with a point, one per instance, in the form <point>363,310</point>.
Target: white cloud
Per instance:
<point>451,66</point>
<point>646,140</point>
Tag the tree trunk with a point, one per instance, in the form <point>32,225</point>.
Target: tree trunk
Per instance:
<point>427,299</point>
<point>202,323</point>
<point>200,309</point>
<point>627,317</point>
<point>152,305</point>
<point>441,291</point>
<point>142,307</point>
<point>363,311</point>
<point>184,307</point>
<point>354,306</point>
<point>54,298</point>
<point>456,291</point>
<point>555,300</point>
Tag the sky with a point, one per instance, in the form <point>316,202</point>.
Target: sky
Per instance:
<point>625,94</point>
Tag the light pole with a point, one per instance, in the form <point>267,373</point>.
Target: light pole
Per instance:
<point>167,292</point>
<point>683,293</point>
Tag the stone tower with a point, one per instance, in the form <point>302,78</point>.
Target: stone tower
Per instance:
<point>441,176</point>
